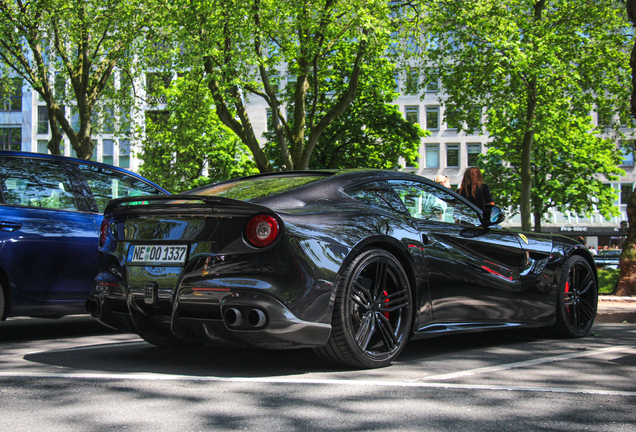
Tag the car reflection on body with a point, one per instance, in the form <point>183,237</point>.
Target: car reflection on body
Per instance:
<point>51,209</point>
<point>608,259</point>
<point>352,263</point>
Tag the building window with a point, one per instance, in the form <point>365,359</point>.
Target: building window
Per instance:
<point>11,94</point>
<point>473,151</point>
<point>432,155</point>
<point>432,82</point>
<point>603,117</point>
<point>109,119</point>
<point>412,81</point>
<point>396,78</point>
<point>43,120</point>
<point>11,138</point>
<point>108,150</point>
<point>432,118</point>
<point>627,147</point>
<point>412,114</point>
<point>156,84</point>
<point>124,153</point>
<point>43,146</point>
<point>626,192</point>
<point>452,119</point>
<point>94,152</point>
<point>452,155</point>
<point>473,122</point>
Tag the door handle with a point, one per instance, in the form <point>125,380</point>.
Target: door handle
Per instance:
<point>10,226</point>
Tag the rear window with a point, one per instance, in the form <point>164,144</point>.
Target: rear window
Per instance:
<point>254,189</point>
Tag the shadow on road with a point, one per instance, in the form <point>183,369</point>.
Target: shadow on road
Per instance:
<point>136,356</point>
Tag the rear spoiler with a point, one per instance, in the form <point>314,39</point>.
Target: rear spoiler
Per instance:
<point>174,202</point>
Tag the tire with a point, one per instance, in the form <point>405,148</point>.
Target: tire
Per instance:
<point>577,299</point>
<point>372,313</point>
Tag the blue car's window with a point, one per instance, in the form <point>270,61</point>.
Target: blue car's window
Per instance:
<point>377,194</point>
<point>36,183</point>
<point>428,202</point>
<point>106,184</point>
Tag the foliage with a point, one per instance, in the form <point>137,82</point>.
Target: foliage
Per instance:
<point>50,44</point>
<point>532,71</point>
<point>607,281</point>
<point>302,58</point>
<point>187,146</point>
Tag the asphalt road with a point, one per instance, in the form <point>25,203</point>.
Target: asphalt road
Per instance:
<point>75,375</point>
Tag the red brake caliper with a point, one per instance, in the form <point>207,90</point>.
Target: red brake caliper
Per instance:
<point>386,314</point>
<point>567,290</point>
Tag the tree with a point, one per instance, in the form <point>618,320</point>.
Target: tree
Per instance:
<point>252,49</point>
<point>67,51</point>
<point>186,145</point>
<point>565,168</point>
<point>627,279</point>
<point>372,133</point>
<point>519,62</point>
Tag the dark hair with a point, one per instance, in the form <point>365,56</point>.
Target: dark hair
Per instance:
<point>471,182</point>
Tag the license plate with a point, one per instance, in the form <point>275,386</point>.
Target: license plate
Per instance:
<point>145,254</point>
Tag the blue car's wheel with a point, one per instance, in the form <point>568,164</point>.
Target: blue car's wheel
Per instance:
<point>372,313</point>
<point>577,299</point>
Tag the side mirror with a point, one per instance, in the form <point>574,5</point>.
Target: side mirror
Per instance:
<point>493,215</point>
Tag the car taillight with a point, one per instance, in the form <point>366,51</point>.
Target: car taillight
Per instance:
<point>262,230</point>
<point>103,232</point>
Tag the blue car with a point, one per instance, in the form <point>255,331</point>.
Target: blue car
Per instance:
<point>51,210</point>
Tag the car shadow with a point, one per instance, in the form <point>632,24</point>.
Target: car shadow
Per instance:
<point>135,356</point>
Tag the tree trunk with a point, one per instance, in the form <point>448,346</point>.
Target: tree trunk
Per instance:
<point>56,136</point>
<point>537,216</point>
<point>528,137</point>
<point>526,159</point>
<point>627,278</point>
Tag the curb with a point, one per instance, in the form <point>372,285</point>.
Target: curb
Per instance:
<point>614,309</point>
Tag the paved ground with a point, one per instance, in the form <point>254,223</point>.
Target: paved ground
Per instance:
<point>614,309</point>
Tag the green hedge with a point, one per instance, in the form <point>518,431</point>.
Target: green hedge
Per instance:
<point>607,280</point>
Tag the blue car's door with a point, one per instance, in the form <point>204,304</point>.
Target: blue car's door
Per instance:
<point>47,244</point>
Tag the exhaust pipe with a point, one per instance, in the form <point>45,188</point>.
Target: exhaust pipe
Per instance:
<point>92,306</point>
<point>233,317</point>
<point>256,318</point>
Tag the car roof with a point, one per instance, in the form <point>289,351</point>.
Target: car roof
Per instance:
<point>329,186</point>
<point>30,155</point>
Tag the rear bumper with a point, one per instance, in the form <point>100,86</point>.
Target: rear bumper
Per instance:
<point>210,317</point>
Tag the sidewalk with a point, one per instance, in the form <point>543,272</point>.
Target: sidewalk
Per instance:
<point>614,309</point>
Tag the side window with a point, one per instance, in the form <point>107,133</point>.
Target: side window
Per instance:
<point>429,202</point>
<point>377,194</point>
<point>106,184</point>
<point>36,183</point>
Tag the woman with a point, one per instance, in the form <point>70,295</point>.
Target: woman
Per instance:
<point>474,189</point>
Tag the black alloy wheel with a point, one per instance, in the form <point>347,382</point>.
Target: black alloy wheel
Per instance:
<point>372,313</point>
<point>577,299</point>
